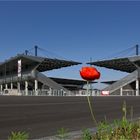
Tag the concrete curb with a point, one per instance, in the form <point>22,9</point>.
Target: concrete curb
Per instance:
<point>70,136</point>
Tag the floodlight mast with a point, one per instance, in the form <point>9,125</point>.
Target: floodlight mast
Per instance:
<point>36,47</point>
<point>26,52</point>
<point>137,49</point>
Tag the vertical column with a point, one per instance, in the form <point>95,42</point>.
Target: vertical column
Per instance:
<point>11,86</point>
<point>50,91</point>
<point>137,87</point>
<point>26,88</point>
<point>6,86</point>
<point>121,91</point>
<point>18,87</point>
<point>1,88</point>
<point>36,87</point>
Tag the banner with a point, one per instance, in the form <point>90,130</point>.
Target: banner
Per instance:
<point>19,68</point>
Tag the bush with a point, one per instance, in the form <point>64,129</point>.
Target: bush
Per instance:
<point>119,130</point>
<point>62,133</point>
<point>18,136</point>
<point>86,135</point>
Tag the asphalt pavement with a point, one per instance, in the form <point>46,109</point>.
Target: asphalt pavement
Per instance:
<point>43,116</point>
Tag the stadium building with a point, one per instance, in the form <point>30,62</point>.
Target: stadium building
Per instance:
<point>22,75</point>
<point>128,85</point>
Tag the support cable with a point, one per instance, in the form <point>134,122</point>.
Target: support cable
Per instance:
<point>51,54</point>
<point>125,53</point>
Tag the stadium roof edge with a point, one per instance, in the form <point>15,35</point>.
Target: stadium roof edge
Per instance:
<point>44,62</point>
<point>126,64</point>
<point>18,56</point>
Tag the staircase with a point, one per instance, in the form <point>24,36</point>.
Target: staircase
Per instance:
<point>49,82</point>
<point>124,81</point>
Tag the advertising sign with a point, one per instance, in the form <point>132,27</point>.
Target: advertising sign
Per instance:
<point>19,68</point>
<point>105,93</point>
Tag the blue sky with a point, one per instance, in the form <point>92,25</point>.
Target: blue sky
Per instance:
<point>75,30</point>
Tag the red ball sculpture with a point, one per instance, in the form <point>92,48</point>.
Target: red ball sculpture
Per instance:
<point>89,73</point>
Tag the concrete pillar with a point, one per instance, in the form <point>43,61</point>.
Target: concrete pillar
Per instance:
<point>137,87</point>
<point>121,91</point>
<point>26,88</point>
<point>1,88</point>
<point>50,91</point>
<point>18,87</point>
<point>11,86</point>
<point>36,87</point>
<point>6,86</point>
